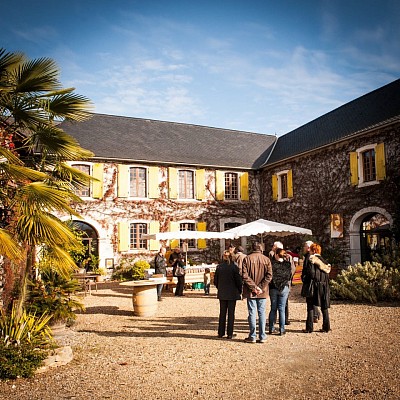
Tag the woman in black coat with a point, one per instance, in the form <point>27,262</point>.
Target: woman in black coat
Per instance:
<point>316,288</point>
<point>228,281</point>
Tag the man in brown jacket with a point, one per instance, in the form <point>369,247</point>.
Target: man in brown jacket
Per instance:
<point>257,274</point>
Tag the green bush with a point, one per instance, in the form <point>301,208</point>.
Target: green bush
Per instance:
<point>20,361</point>
<point>368,282</point>
<point>130,269</point>
<point>54,295</point>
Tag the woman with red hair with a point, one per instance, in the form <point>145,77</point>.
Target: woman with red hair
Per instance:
<point>316,288</point>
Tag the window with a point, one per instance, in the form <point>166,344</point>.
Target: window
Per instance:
<point>83,190</point>
<point>231,186</point>
<point>188,226</point>
<point>138,182</point>
<point>282,185</point>
<point>367,165</point>
<point>135,232</point>
<point>186,184</point>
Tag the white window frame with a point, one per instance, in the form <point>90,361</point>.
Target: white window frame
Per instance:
<point>193,171</point>
<point>360,165</point>
<point>279,175</point>
<point>238,185</point>
<point>189,221</point>
<point>90,165</point>
<point>147,181</point>
<point>139,221</point>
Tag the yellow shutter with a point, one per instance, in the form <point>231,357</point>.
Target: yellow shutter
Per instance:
<point>153,183</point>
<point>123,236</point>
<point>172,183</point>
<point>200,184</point>
<point>123,180</point>
<point>201,243</point>
<point>275,187</point>
<point>98,185</point>
<point>354,168</point>
<point>290,183</point>
<point>174,227</point>
<point>380,162</point>
<point>244,186</point>
<point>219,185</point>
<point>154,228</point>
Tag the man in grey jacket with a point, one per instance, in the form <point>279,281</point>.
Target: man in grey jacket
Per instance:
<point>257,274</point>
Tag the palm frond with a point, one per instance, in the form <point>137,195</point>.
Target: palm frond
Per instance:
<point>53,141</point>
<point>20,173</point>
<point>77,178</point>
<point>9,247</point>
<point>58,260</point>
<point>38,196</point>
<point>38,75</point>
<point>70,106</point>
<point>41,227</point>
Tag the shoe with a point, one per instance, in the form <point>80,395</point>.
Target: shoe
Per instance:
<point>281,333</point>
<point>261,341</point>
<point>324,330</point>
<point>159,299</point>
<point>271,332</point>
<point>315,320</point>
<point>307,331</point>
<point>249,340</point>
<point>287,323</point>
<point>220,336</point>
<point>231,336</point>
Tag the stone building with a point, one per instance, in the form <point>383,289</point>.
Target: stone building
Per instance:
<point>337,175</point>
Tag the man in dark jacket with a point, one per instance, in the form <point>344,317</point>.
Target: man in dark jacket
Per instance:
<point>257,274</point>
<point>229,284</point>
<point>160,265</point>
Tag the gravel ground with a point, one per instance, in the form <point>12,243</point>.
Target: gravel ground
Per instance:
<point>177,354</point>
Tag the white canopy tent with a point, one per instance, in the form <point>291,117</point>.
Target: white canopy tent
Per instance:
<point>263,226</point>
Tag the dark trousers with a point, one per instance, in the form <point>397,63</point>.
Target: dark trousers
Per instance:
<point>159,290</point>
<point>226,307</point>
<point>326,326</point>
<point>180,285</point>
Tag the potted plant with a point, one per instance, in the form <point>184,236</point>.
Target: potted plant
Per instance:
<point>102,273</point>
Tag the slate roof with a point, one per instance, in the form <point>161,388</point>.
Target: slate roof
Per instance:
<point>136,139</point>
<point>373,109</point>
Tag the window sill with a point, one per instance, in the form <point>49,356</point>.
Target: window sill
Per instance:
<point>371,183</point>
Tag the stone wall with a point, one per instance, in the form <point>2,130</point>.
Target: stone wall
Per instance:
<point>321,186</point>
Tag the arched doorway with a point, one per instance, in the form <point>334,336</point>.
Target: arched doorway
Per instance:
<point>90,239</point>
<point>375,236</point>
<point>367,227</point>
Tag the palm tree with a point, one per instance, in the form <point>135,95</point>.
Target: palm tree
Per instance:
<point>36,182</point>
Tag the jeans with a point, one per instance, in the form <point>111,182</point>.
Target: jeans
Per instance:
<point>257,306</point>
<point>207,288</point>
<point>226,307</point>
<point>278,302</point>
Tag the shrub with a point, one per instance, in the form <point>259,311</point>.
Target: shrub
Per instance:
<point>20,361</point>
<point>130,269</point>
<point>368,282</point>
<point>53,294</point>
<point>18,329</point>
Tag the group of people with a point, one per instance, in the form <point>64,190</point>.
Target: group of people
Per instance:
<point>256,277</point>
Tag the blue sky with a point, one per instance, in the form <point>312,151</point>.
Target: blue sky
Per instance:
<point>262,66</point>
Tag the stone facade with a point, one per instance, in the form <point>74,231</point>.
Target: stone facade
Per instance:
<point>322,186</point>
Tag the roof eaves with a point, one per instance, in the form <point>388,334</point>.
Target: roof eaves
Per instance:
<point>353,135</point>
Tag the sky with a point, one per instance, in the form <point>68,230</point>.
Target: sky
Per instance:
<point>265,66</point>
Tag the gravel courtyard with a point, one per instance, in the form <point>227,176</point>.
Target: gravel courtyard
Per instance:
<point>177,354</point>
